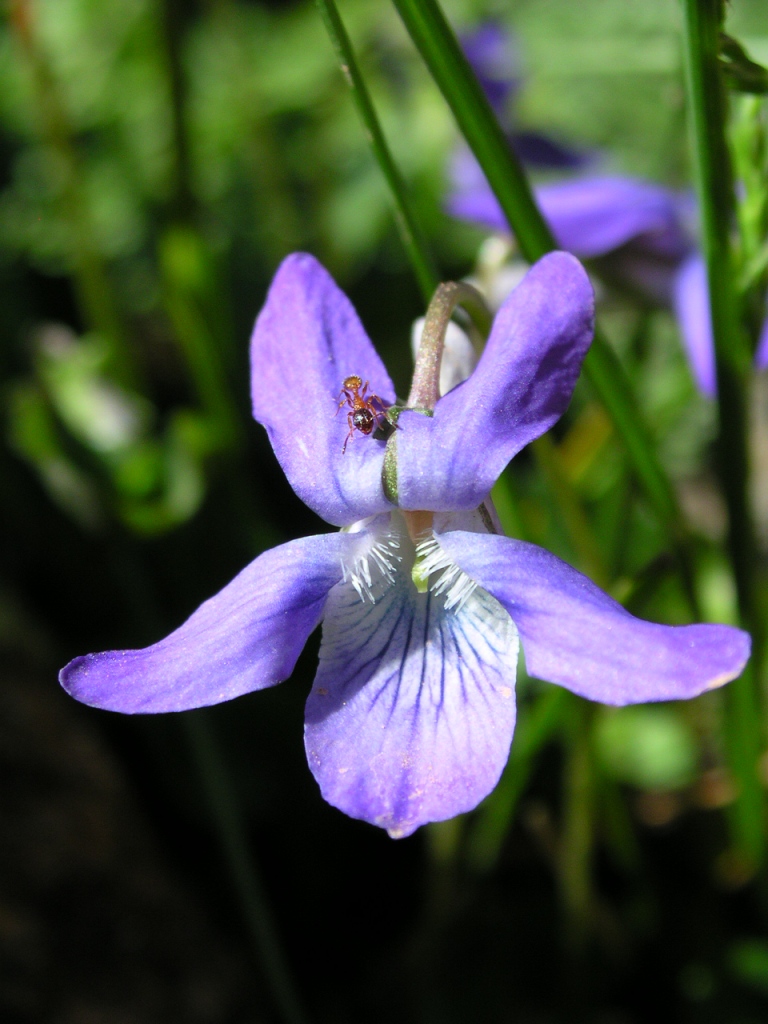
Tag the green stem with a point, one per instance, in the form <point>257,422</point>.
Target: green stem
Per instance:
<point>186,268</point>
<point>435,40</point>
<point>714,185</point>
<point>443,56</point>
<point>577,837</point>
<point>247,881</point>
<point>95,294</point>
<point>425,387</point>
<point>172,30</point>
<point>492,822</point>
<point>410,233</point>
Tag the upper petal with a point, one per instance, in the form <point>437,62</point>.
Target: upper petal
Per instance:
<point>692,310</point>
<point>575,635</point>
<point>411,715</point>
<point>245,638</point>
<point>307,339</point>
<point>521,386</point>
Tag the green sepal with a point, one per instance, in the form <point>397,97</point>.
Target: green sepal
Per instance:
<point>389,470</point>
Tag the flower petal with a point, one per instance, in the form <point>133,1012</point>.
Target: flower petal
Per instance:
<point>412,711</point>
<point>245,638</point>
<point>307,339</point>
<point>588,216</point>
<point>493,55</point>
<point>521,386</point>
<point>575,635</point>
<point>691,304</point>
<point>470,197</point>
<point>592,216</point>
<point>537,150</point>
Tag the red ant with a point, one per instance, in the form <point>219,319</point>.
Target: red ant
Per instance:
<point>366,412</point>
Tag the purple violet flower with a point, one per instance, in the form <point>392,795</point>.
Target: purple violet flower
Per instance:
<point>643,233</point>
<point>492,53</point>
<point>639,230</point>
<point>423,602</point>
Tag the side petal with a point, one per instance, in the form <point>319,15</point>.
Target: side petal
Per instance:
<point>521,386</point>
<point>470,197</point>
<point>690,299</point>
<point>245,638</point>
<point>411,715</point>
<point>577,636</point>
<point>307,339</point>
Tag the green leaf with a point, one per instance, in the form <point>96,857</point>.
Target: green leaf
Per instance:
<point>748,960</point>
<point>741,72</point>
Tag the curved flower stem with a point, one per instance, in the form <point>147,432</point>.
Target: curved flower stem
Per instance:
<point>425,391</point>
<point>410,233</point>
<point>442,54</point>
<point>425,387</point>
<point>714,186</point>
<point>247,881</point>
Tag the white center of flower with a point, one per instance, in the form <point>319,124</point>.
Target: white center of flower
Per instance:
<point>386,554</point>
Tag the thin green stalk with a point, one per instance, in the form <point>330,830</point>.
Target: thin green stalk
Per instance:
<point>443,56</point>
<point>242,868</point>
<point>488,830</point>
<point>577,837</point>
<point>95,294</point>
<point>714,185</point>
<point>572,511</point>
<point>127,566</point>
<point>171,17</point>
<point>410,233</point>
<point>188,270</point>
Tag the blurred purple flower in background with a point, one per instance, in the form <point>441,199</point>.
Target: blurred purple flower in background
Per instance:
<point>492,52</point>
<point>423,602</point>
<point>643,233</point>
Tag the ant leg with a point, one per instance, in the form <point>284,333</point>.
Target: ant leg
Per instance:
<point>381,412</point>
<point>344,397</point>
<point>350,435</point>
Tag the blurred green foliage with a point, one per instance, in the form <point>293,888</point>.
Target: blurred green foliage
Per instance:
<point>158,160</point>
